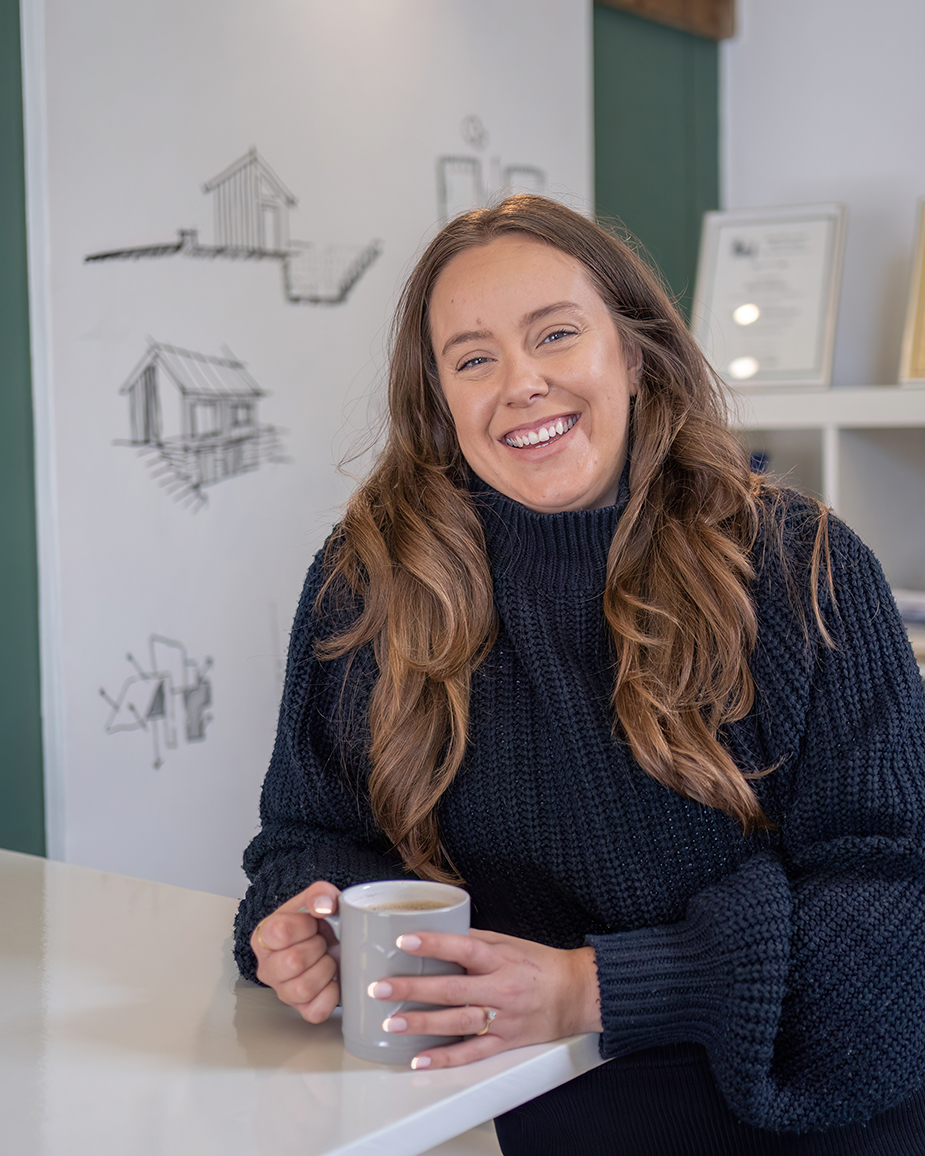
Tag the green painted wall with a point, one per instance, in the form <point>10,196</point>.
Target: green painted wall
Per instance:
<point>656,136</point>
<point>22,823</point>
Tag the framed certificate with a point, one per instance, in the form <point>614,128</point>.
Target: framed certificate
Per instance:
<point>767,293</point>
<point>912,362</point>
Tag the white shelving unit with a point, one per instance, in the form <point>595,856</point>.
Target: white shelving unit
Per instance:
<point>862,450</point>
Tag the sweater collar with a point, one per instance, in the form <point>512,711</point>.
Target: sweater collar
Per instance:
<point>568,549</point>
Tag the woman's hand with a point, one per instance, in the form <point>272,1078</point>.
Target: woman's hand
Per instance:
<point>293,956</point>
<point>538,993</point>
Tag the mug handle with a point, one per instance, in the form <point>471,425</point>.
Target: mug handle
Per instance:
<point>333,921</point>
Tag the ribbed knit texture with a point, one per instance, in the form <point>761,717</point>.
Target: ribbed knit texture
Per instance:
<point>794,960</point>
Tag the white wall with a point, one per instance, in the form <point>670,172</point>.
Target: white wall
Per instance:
<point>130,108</point>
<point>824,100</point>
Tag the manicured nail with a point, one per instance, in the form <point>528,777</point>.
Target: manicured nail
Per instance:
<point>395,1024</point>
<point>420,1062</point>
<point>408,942</point>
<point>379,989</point>
<point>322,905</point>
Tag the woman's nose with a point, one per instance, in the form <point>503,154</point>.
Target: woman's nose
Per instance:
<point>523,380</point>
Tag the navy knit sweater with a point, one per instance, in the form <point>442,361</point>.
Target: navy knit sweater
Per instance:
<point>795,959</point>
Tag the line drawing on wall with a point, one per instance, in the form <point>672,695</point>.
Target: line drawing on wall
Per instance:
<point>194,420</point>
<point>467,182</point>
<point>251,223</point>
<point>150,700</point>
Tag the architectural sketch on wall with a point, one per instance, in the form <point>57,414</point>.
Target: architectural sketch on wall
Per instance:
<point>194,420</point>
<point>151,700</point>
<point>251,222</point>
<point>470,182</point>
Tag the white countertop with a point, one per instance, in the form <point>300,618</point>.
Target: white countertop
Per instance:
<point>126,1031</point>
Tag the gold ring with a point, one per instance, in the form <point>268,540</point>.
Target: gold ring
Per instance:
<point>490,1015</point>
<point>259,937</point>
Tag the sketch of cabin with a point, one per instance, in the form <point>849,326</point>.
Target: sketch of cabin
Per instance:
<point>251,205</point>
<point>195,417</point>
<point>148,699</point>
<point>251,208</point>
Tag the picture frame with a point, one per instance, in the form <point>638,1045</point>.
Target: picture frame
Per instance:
<point>912,358</point>
<point>766,298</point>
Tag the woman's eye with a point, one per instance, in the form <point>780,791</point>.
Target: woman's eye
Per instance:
<point>471,363</point>
<point>558,335</point>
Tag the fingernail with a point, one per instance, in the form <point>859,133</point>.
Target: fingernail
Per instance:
<point>420,1062</point>
<point>322,905</point>
<point>395,1024</point>
<point>379,990</point>
<point>408,942</point>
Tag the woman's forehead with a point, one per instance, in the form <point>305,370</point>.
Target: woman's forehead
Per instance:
<point>514,274</point>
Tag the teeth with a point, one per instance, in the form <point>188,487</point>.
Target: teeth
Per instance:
<point>543,434</point>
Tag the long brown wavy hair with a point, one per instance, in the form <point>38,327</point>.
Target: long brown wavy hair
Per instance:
<point>677,594</point>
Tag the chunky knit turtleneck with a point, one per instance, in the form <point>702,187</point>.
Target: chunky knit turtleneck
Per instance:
<point>794,960</point>
<point>564,552</point>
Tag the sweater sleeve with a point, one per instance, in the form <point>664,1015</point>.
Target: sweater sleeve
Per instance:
<point>315,821</point>
<point>802,972</point>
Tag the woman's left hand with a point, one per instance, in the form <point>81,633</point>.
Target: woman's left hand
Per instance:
<point>537,993</point>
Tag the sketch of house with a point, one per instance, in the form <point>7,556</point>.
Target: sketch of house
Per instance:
<point>251,222</point>
<point>466,182</point>
<point>194,418</point>
<point>147,700</point>
<point>251,205</point>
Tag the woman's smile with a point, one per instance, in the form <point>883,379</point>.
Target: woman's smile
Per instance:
<point>540,435</point>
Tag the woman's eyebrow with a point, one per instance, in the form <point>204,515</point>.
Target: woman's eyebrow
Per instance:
<point>544,311</point>
<point>462,338</point>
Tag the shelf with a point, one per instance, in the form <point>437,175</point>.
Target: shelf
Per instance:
<point>861,449</point>
<point>845,407</point>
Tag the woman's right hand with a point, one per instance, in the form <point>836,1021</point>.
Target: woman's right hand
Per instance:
<point>294,956</point>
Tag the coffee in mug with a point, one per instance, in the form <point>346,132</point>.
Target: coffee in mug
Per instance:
<point>370,918</point>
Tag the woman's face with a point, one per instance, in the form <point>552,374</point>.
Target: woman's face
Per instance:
<point>534,374</point>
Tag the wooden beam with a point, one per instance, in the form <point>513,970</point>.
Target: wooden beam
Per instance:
<point>714,19</point>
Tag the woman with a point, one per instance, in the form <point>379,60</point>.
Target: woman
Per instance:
<point>660,717</point>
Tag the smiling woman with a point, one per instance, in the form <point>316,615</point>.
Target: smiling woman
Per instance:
<point>658,714</point>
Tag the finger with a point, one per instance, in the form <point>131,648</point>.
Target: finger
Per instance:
<point>295,919</point>
<point>456,1021</point>
<point>282,930</point>
<point>319,899</point>
<point>319,1009</point>
<point>472,954</point>
<point>454,1055</point>
<point>280,966</point>
<point>308,985</point>
<point>444,990</point>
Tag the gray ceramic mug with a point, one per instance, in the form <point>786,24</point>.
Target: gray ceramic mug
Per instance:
<point>370,918</point>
